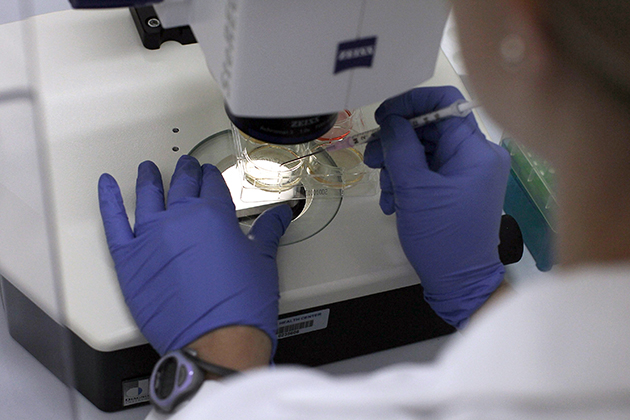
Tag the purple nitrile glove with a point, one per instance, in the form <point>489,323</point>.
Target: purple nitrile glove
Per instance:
<point>446,183</point>
<point>187,268</point>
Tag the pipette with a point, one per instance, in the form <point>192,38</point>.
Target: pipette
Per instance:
<point>459,108</point>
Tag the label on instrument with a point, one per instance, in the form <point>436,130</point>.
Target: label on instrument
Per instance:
<point>135,391</point>
<point>355,53</point>
<point>302,324</point>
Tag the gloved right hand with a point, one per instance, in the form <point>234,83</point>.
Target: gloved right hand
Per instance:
<point>446,183</point>
<point>187,268</point>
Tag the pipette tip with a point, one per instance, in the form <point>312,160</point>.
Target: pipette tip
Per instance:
<point>302,157</point>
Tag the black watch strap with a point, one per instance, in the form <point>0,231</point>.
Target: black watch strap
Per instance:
<point>211,368</point>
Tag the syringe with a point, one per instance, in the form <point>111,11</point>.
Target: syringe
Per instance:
<point>459,108</point>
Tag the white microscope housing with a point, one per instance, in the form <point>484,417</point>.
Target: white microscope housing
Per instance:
<point>288,59</point>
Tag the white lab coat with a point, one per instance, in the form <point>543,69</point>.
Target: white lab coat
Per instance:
<point>558,349</point>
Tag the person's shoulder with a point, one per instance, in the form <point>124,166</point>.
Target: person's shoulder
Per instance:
<point>581,294</point>
<point>572,304</point>
<point>562,335</point>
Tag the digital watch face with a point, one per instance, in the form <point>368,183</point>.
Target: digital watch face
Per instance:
<point>174,379</point>
<point>165,379</point>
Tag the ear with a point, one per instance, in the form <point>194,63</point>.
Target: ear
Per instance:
<point>502,40</point>
<point>525,46</point>
<point>508,56</point>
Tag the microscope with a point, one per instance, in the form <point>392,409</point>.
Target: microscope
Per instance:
<point>220,80</point>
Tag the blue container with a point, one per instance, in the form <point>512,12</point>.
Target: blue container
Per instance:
<point>531,200</point>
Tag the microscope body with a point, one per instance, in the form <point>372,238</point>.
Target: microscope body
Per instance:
<point>287,58</point>
<point>287,67</point>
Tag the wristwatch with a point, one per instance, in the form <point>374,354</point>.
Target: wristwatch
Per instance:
<point>178,375</point>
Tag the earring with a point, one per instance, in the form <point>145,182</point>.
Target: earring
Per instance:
<point>512,49</point>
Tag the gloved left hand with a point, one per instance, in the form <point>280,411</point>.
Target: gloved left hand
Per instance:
<point>187,268</point>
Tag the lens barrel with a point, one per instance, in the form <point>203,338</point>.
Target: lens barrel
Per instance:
<point>292,130</point>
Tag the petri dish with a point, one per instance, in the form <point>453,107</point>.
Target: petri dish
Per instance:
<point>342,127</point>
<point>265,168</point>
<point>337,169</point>
<point>218,150</point>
